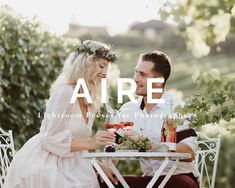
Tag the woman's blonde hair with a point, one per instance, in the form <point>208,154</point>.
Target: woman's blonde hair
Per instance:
<point>83,65</point>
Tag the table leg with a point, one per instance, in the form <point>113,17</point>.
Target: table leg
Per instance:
<point>158,173</point>
<point>167,177</point>
<point>117,173</point>
<point>101,172</point>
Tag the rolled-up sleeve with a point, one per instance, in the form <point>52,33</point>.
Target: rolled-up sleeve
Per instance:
<point>190,141</point>
<point>57,135</point>
<point>58,144</point>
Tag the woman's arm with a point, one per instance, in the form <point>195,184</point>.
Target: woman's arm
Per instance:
<point>100,138</point>
<point>57,137</point>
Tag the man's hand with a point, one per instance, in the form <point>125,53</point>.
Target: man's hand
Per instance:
<point>132,134</point>
<point>108,171</point>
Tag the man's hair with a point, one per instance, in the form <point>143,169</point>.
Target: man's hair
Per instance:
<point>161,61</point>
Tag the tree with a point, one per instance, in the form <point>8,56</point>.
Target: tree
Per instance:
<point>202,23</point>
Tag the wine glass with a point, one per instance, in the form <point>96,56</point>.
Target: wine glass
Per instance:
<point>110,122</point>
<point>126,125</point>
<point>112,125</point>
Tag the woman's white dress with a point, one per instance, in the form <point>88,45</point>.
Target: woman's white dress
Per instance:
<point>46,160</point>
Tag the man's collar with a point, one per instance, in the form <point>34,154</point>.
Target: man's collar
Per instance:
<point>159,105</point>
<point>142,104</point>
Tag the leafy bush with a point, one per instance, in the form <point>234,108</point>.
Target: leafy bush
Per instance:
<point>30,58</point>
<point>214,101</point>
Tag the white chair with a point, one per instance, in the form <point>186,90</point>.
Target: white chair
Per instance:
<point>7,152</point>
<point>206,159</point>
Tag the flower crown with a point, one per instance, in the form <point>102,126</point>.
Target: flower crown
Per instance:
<point>100,52</point>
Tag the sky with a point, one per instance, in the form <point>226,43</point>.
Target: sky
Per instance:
<point>117,15</point>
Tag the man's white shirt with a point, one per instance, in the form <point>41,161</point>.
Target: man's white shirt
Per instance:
<point>150,124</point>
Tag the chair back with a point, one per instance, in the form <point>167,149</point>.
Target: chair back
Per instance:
<point>206,159</point>
<point>7,152</point>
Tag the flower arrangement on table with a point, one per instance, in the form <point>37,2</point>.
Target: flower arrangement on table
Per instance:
<point>126,142</point>
<point>140,143</point>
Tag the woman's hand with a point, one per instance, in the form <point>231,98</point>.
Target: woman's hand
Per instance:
<point>102,138</point>
<point>109,173</point>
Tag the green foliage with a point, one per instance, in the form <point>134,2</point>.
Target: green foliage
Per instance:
<point>214,101</point>
<point>226,166</point>
<point>202,23</point>
<point>130,167</point>
<point>30,58</point>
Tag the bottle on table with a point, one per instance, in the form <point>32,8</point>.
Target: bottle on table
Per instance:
<point>168,135</point>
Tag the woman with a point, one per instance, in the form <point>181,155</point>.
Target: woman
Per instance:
<point>52,158</point>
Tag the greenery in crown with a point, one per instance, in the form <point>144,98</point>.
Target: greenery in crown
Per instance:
<point>101,52</point>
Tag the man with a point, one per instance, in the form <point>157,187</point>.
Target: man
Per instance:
<point>157,65</point>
